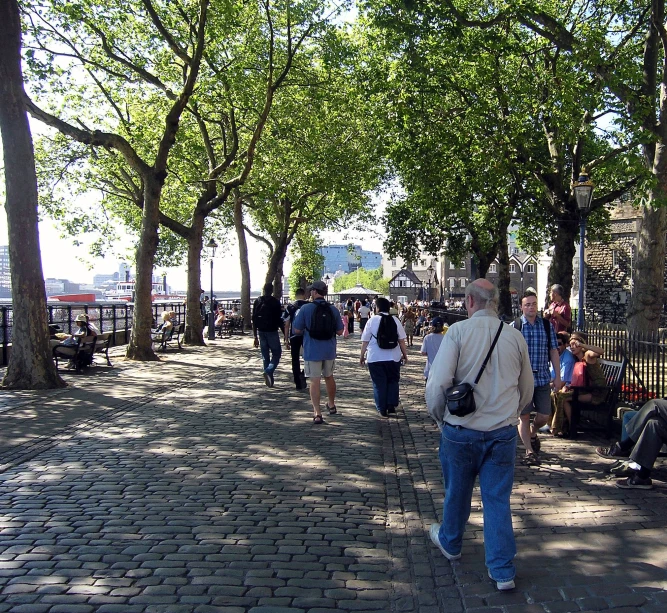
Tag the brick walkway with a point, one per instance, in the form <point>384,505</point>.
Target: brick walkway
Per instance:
<point>188,486</point>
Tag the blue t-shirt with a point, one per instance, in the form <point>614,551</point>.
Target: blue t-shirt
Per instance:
<point>315,350</point>
<point>567,362</point>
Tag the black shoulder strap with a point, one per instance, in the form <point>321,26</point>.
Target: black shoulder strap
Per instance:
<point>518,324</point>
<point>547,331</point>
<point>488,355</point>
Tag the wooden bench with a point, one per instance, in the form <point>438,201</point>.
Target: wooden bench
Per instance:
<point>102,345</point>
<point>614,373</point>
<point>81,354</point>
<point>164,338</point>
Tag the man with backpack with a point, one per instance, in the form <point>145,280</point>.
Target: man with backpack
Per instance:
<point>295,342</point>
<point>320,323</point>
<point>267,319</point>
<point>384,340</point>
<point>543,352</point>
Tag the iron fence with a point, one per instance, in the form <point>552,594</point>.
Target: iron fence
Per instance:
<point>646,352</point>
<point>108,317</point>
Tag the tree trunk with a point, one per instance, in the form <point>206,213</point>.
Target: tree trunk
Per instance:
<point>194,326</point>
<point>30,364</point>
<point>140,346</point>
<point>275,270</point>
<point>505,298</point>
<point>646,303</point>
<point>243,257</point>
<point>560,269</point>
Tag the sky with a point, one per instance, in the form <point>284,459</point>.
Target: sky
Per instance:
<point>61,259</point>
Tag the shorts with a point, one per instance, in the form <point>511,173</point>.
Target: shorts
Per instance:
<point>541,402</point>
<point>319,368</point>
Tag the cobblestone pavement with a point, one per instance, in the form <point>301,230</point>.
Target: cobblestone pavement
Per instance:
<point>189,487</point>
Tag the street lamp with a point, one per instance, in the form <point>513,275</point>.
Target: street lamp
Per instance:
<point>429,271</point>
<point>583,193</point>
<point>211,246</point>
<point>326,279</point>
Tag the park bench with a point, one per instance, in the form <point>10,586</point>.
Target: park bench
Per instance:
<point>614,373</point>
<point>102,345</point>
<point>81,354</point>
<point>164,338</point>
<point>232,325</point>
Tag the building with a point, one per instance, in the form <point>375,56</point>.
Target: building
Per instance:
<point>102,279</point>
<point>610,268</point>
<point>347,259</point>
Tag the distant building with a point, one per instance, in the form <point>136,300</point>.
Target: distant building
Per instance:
<point>425,275</point>
<point>102,279</point>
<point>342,258</point>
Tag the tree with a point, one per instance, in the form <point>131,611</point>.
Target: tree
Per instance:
<point>622,49</point>
<point>308,261</point>
<point>96,54</point>
<point>371,279</point>
<point>30,364</point>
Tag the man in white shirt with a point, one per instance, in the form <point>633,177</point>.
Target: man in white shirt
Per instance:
<point>364,314</point>
<point>482,443</point>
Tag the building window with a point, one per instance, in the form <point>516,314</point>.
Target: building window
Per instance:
<point>401,284</point>
<point>393,262</point>
<point>423,262</point>
<point>452,266</point>
<point>530,267</point>
<point>614,258</point>
<point>463,265</point>
<point>463,282</point>
<point>452,282</point>
<point>512,268</point>
<point>492,268</point>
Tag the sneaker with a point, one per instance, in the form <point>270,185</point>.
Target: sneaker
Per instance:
<point>391,409</point>
<point>503,586</point>
<point>434,533</point>
<point>268,379</point>
<point>635,482</point>
<point>382,412</point>
<point>546,429</point>
<point>622,469</point>
<point>612,452</point>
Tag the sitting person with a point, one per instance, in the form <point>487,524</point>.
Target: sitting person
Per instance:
<point>167,323</point>
<point>587,373</point>
<point>567,359</point>
<point>647,433</point>
<point>220,318</point>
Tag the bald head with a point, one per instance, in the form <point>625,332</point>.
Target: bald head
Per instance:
<point>481,294</point>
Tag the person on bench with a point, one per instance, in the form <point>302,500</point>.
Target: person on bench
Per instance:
<point>587,373</point>
<point>647,433</point>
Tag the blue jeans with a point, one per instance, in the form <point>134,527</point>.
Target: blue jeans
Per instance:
<point>465,454</point>
<point>270,342</point>
<point>385,377</point>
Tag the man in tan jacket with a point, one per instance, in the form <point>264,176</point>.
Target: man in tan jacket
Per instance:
<point>482,443</point>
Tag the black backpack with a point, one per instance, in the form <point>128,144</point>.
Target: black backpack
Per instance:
<point>387,337</point>
<point>322,322</point>
<point>262,314</point>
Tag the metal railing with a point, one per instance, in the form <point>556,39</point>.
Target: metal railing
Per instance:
<point>108,317</point>
<point>646,352</point>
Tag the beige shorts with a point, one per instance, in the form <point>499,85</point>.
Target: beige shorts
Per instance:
<point>322,368</point>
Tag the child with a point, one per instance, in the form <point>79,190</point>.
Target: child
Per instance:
<point>431,343</point>
<point>346,321</point>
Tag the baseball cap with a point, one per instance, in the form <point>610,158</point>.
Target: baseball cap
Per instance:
<point>320,286</point>
<point>437,322</point>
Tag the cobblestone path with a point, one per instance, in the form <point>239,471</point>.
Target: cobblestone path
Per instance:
<point>190,487</point>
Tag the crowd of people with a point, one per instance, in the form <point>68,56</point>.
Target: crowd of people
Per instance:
<point>488,384</point>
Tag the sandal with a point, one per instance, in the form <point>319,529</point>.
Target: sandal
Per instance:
<point>318,419</point>
<point>535,443</point>
<point>531,459</point>
<point>332,410</point>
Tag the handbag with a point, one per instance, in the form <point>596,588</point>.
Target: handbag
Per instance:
<point>460,399</point>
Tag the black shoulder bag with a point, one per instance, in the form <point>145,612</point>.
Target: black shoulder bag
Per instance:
<point>460,398</point>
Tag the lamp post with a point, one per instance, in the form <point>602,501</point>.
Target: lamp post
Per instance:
<point>583,192</point>
<point>326,279</point>
<point>211,246</point>
<point>429,271</point>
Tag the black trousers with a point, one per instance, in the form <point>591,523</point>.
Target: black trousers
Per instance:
<point>295,349</point>
<point>648,428</point>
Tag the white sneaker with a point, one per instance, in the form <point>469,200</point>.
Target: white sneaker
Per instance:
<point>434,534</point>
<point>503,586</point>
